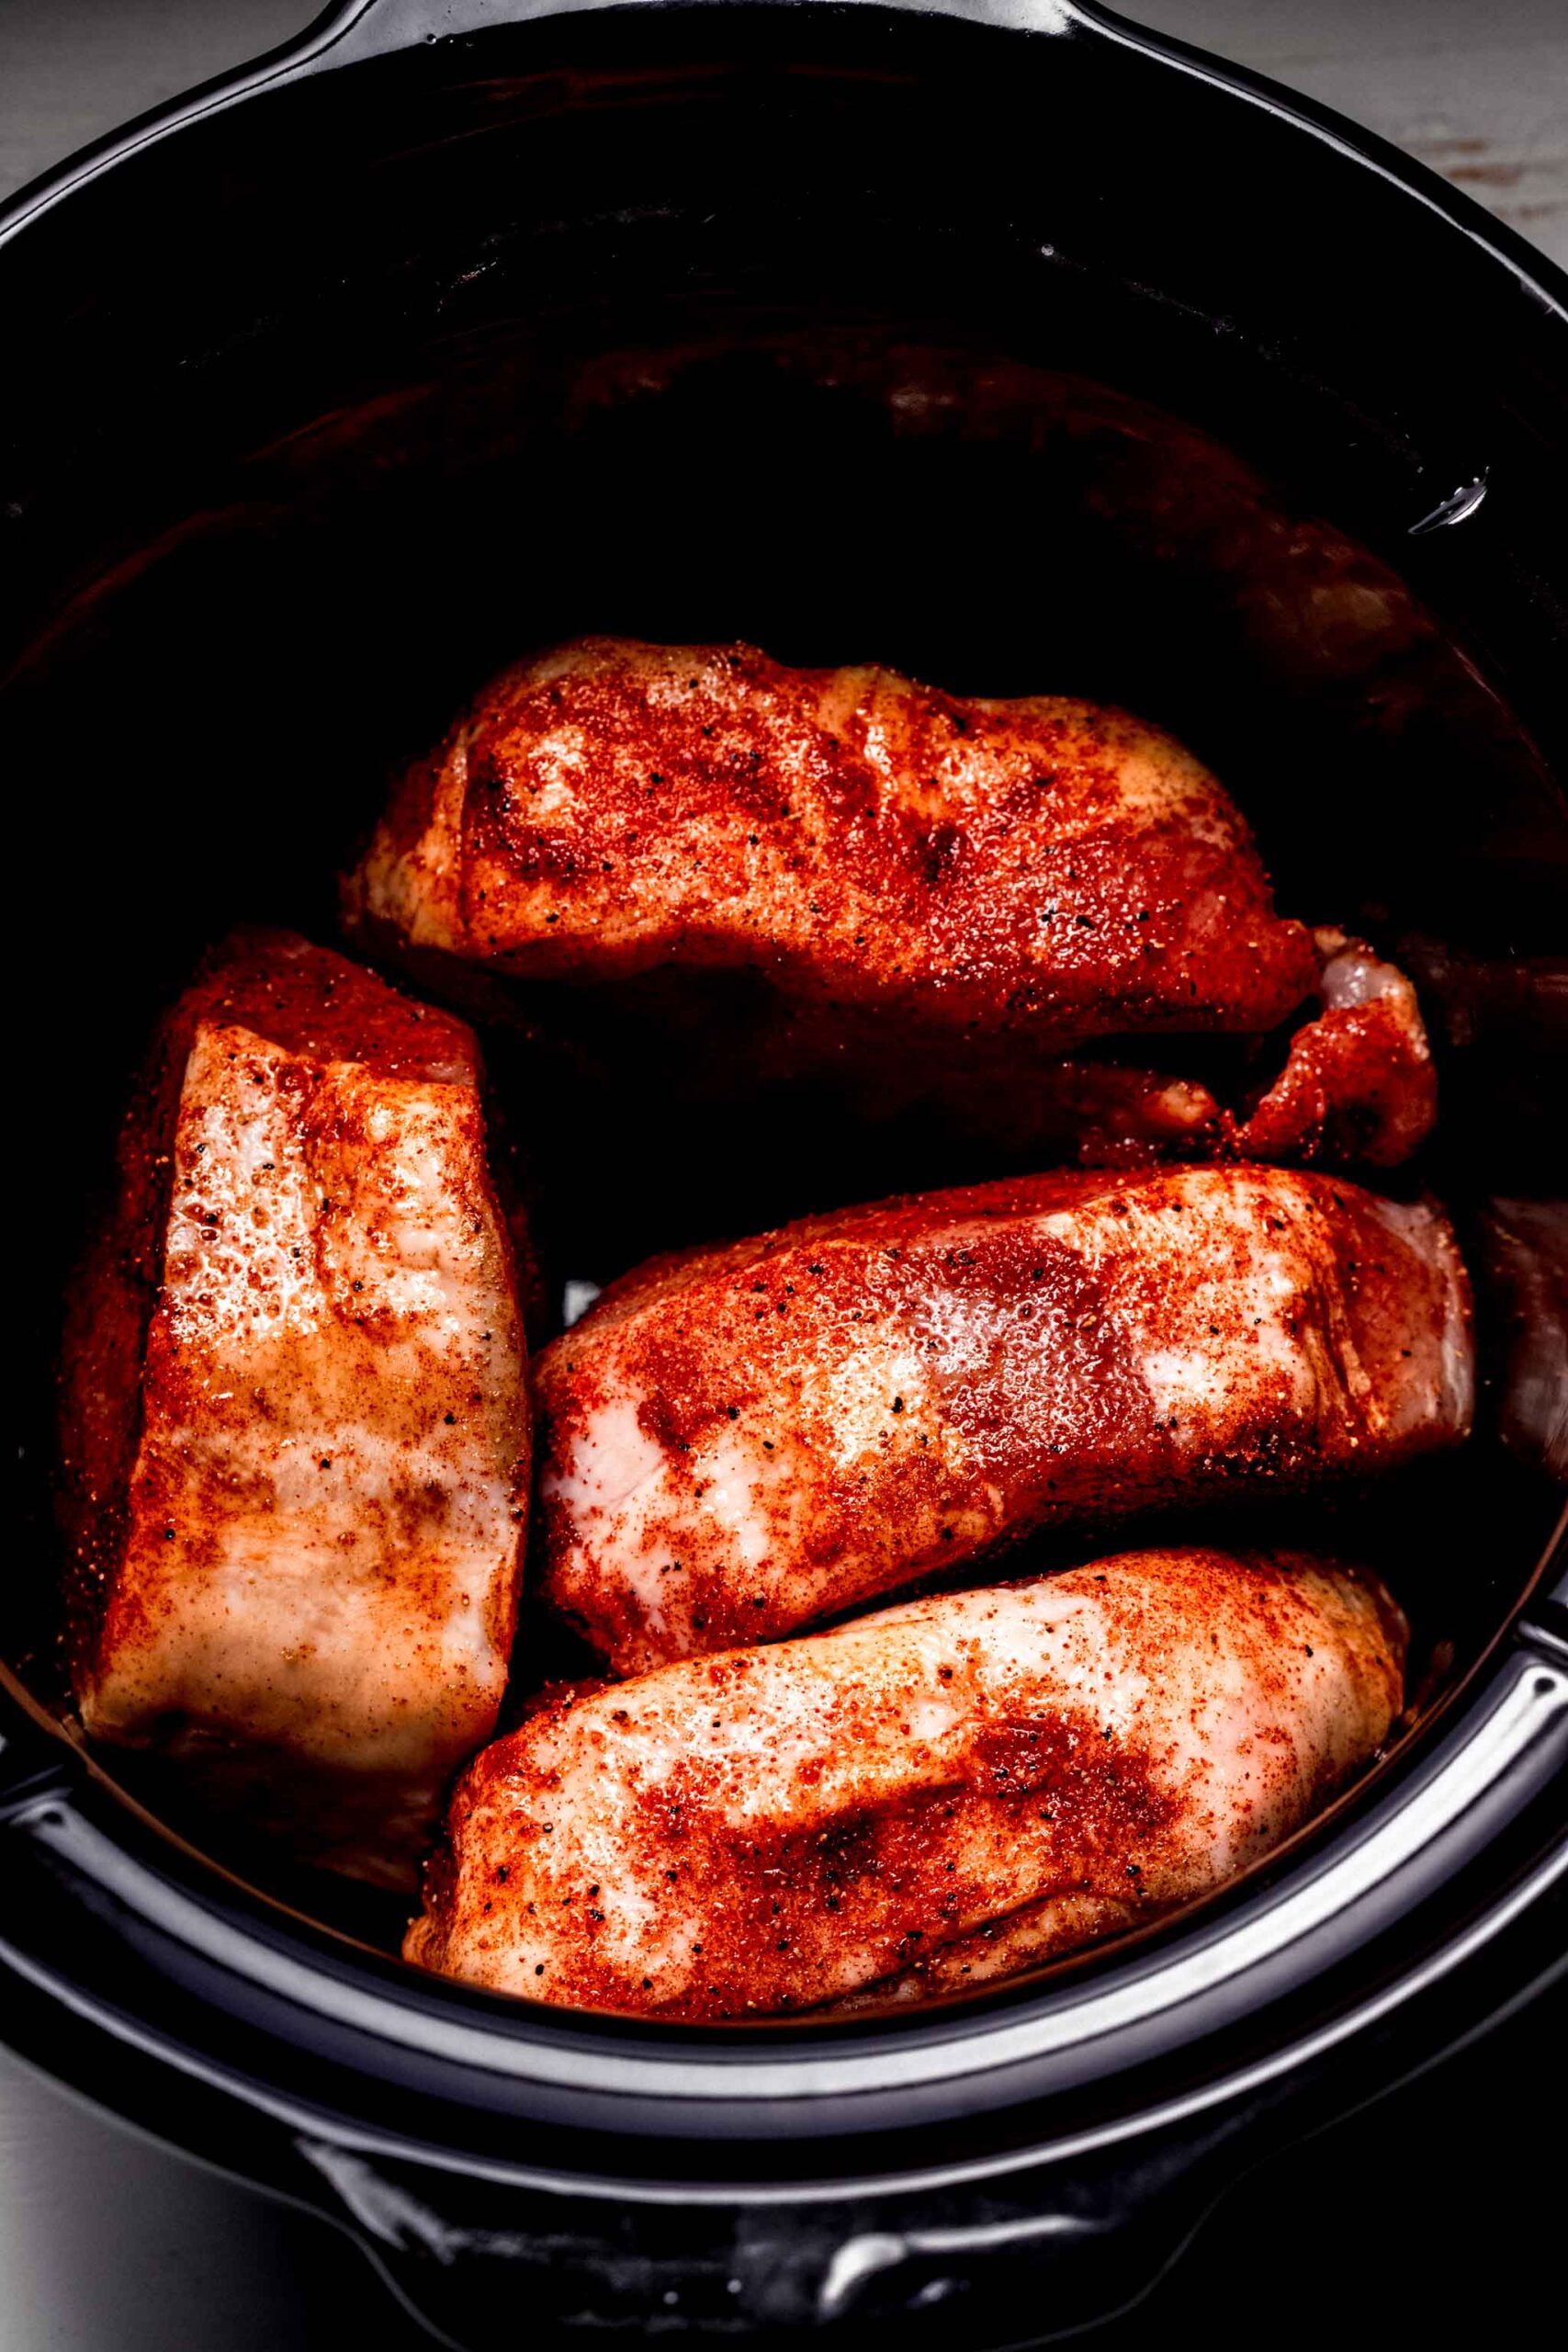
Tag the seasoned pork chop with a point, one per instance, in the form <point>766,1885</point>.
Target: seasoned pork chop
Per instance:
<point>944,1793</point>
<point>296,1423</point>
<point>946,896</point>
<point>736,1442</point>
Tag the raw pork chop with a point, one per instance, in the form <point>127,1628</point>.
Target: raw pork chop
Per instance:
<point>945,1793</point>
<point>737,1441</point>
<point>295,1409</point>
<point>944,897</point>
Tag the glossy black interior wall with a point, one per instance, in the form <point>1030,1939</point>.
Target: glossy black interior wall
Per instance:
<point>702,323</point>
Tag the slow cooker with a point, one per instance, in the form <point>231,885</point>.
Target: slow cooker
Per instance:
<point>1012,346</point>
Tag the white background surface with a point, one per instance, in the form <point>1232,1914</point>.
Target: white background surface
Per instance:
<point>107,2245</point>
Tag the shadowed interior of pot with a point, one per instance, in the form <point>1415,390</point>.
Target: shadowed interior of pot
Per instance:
<point>526,344</point>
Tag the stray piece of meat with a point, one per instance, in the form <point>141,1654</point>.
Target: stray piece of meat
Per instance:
<point>1358,1082</point>
<point>1358,1088</point>
<point>739,1440</point>
<point>945,897</point>
<point>921,1799</point>
<point>295,1410</point>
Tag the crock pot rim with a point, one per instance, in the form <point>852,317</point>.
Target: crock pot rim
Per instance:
<point>350,32</point>
<point>55,1762</point>
<point>1132,2119</point>
<point>328,44</point>
<point>1457,1782</point>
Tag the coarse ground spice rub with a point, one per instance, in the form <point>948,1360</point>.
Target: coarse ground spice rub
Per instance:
<point>944,896</point>
<point>293,1409</point>
<point>734,1442</point>
<point>926,1798</point>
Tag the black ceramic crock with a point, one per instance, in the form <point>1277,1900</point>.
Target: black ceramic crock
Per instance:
<point>997,340</point>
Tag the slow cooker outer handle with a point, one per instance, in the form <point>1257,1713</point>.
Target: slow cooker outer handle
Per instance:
<point>352,30</point>
<point>1024,2257</point>
<point>377,28</point>
<point>1025,2260</point>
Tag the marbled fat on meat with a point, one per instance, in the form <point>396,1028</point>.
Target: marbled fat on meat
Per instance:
<point>739,1440</point>
<point>944,1793</point>
<point>296,1421</point>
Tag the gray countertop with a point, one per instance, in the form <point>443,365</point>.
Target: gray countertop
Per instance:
<point>110,2245</point>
